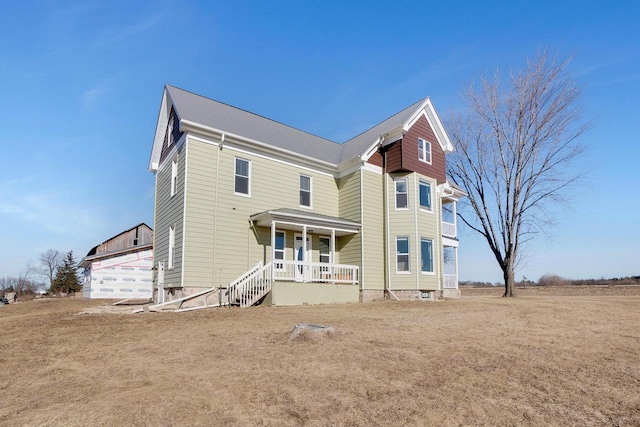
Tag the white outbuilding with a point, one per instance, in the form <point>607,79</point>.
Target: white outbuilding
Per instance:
<point>120,267</point>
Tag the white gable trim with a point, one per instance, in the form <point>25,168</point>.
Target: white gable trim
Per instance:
<point>161,127</point>
<point>429,112</point>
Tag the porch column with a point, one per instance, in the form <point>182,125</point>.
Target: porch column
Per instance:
<point>273,248</point>
<point>455,255</point>
<point>332,251</point>
<point>305,270</point>
<point>454,216</point>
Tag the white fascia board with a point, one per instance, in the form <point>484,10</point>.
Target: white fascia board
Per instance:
<point>172,151</point>
<point>189,126</point>
<point>430,113</point>
<point>158,139</point>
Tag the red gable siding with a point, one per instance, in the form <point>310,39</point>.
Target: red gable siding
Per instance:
<point>393,157</point>
<point>376,159</point>
<point>410,161</point>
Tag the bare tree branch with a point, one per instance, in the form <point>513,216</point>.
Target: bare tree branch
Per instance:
<point>514,150</point>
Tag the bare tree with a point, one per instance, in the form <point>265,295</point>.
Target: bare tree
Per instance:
<point>23,281</point>
<point>49,263</point>
<point>515,147</point>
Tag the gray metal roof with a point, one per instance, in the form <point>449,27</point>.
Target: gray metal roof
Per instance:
<point>217,115</point>
<point>357,145</point>
<point>230,119</point>
<point>297,213</point>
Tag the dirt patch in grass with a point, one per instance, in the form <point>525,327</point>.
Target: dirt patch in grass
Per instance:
<point>532,360</point>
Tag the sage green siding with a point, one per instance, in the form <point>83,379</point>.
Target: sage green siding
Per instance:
<point>415,224</point>
<point>225,219</point>
<point>373,230</point>
<point>348,247</point>
<point>200,213</point>
<point>169,211</point>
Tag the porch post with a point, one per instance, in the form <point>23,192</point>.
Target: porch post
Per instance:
<point>273,248</point>
<point>454,216</point>
<point>455,255</point>
<point>305,272</point>
<point>332,251</point>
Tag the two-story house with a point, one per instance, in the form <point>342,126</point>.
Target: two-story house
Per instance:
<point>262,210</point>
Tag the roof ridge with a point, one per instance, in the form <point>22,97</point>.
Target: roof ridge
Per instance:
<point>255,114</point>
<point>388,118</point>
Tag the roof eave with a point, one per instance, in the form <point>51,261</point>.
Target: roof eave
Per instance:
<point>190,126</point>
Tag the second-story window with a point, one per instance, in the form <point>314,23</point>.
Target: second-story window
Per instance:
<point>174,176</point>
<point>424,150</point>
<point>425,195</point>
<point>305,191</point>
<point>242,176</point>
<point>402,197</point>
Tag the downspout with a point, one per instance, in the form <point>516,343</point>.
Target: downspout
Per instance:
<point>215,210</point>
<point>361,228</point>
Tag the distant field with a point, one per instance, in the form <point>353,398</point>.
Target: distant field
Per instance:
<point>540,359</point>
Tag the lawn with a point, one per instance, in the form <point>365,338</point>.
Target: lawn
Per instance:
<point>540,359</point>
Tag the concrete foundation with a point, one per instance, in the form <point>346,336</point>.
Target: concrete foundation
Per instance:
<point>368,295</point>
<point>451,293</point>
<point>294,293</point>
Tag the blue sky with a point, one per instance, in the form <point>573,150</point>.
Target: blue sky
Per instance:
<point>82,84</point>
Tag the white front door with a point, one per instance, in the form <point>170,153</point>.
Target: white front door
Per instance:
<point>301,271</point>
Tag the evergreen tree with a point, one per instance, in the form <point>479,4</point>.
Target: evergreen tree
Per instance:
<point>66,279</point>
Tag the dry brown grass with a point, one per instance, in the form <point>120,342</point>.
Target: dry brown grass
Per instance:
<point>534,360</point>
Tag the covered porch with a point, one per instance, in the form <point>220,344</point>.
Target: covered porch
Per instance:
<point>304,246</point>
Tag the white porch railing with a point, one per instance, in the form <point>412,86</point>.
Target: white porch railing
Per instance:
<point>451,281</point>
<point>448,229</point>
<point>251,286</point>
<point>318,272</point>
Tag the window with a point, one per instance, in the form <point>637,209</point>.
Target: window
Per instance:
<point>424,150</point>
<point>243,168</point>
<point>402,254</point>
<point>324,249</point>
<point>278,249</point>
<point>172,245</point>
<point>174,176</point>
<point>305,190</point>
<point>425,195</point>
<point>426,255</point>
<point>170,132</point>
<point>402,197</point>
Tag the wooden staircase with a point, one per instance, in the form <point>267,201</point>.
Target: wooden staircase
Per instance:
<point>247,290</point>
<point>250,288</point>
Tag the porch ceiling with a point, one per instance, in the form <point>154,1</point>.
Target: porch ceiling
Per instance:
<point>293,219</point>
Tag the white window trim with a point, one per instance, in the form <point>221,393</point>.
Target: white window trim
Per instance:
<point>422,208</point>
<point>433,258</point>
<point>174,176</point>
<point>395,193</point>
<point>408,255</point>
<point>424,151</point>
<point>248,194</point>
<point>310,191</point>
<point>172,246</point>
